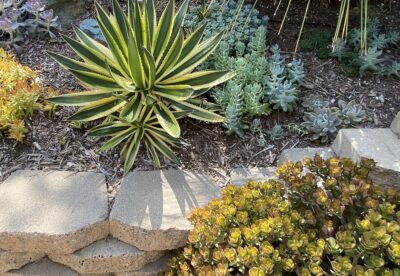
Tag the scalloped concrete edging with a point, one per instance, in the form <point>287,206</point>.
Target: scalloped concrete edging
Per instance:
<point>151,207</point>
<point>107,256</point>
<point>54,211</point>
<point>58,222</point>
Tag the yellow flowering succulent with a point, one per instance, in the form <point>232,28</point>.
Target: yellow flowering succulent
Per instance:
<point>330,220</point>
<point>19,95</point>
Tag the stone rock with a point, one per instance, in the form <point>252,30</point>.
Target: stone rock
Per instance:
<point>12,260</point>
<point>43,267</point>
<point>52,212</point>
<point>107,256</point>
<point>380,144</point>
<point>298,154</point>
<point>152,269</point>
<point>151,206</point>
<point>67,10</point>
<point>241,176</point>
<point>395,126</point>
<point>91,27</point>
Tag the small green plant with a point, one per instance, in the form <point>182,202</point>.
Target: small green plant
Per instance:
<point>20,96</point>
<point>322,124</point>
<point>276,132</point>
<point>316,40</point>
<point>239,22</point>
<point>20,18</point>
<point>144,81</point>
<point>257,131</point>
<point>329,220</point>
<point>351,113</point>
<point>373,58</point>
<point>323,121</point>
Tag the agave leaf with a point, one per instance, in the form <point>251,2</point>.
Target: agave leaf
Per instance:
<point>151,65</point>
<point>198,56</point>
<point>87,54</point>
<point>96,81</point>
<point>172,56</point>
<point>118,47</point>
<point>135,62</point>
<point>163,148</point>
<point>133,149</point>
<point>132,110</point>
<point>179,19</point>
<point>153,153</point>
<point>151,21</point>
<point>201,80</point>
<point>97,110</point>
<point>121,19</point>
<point>197,112</point>
<point>192,41</point>
<point>117,139</point>
<point>167,120</point>
<point>110,129</point>
<point>93,44</point>
<point>174,92</point>
<point>162,134</point>
<point>81,98</point>
<point>164,30</point>
<point>69,63</point>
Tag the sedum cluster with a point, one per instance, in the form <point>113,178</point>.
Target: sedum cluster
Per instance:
<point>262,83</point>
<point>19,18</point>
<point>327,220</point>
<point>19,95</point>
<point>373,60</point>
<point>323,122</point>
<point>240,22</point>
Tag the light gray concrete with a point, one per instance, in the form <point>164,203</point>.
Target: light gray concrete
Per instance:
<point>395,126</point>
<point>152,269</point>
<point>52,212</point>
<point>43,267</point>
<point>241,176</point>
<point>151,206</point>
<point>298,154</point>
<point>107,256</point>
<point>11,260</point>
<point>382,145</point>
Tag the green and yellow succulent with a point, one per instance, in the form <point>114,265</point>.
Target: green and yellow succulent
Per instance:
<point>329,220</point>
<point>144,81</point>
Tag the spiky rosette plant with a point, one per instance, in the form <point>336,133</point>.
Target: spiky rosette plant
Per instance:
<point>143,82</point>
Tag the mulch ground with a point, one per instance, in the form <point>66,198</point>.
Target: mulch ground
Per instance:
<point>52,143</point>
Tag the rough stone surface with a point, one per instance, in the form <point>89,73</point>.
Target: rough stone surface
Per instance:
<point>52,212</point>
<point>43,267</point>
<point>91,27</point>
<point>382,145</point>
<point>11,260</point>
<point>241,176</point>
<point>152,269</point>
<point>151,207</point>
<point>395,126</point>
<point>67,10</point>
<point>107,256</point>
<point>298,154</point>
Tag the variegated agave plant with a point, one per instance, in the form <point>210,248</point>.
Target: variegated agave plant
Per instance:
<point>144,81</point>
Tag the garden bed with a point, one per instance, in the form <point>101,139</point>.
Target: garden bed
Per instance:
<point>52,143</point>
